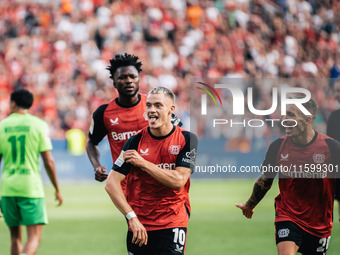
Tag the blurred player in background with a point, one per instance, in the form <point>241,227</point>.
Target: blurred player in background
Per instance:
<point>123,116</point>
<point>304,207</point>
<point>22,138</point>
<point>333,130</point>
<point>158,161</point>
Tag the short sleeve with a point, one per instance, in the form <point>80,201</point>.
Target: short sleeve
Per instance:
<point>131,144</point>
<point>45,139</point>
<point>270,159</point>
<point>97,129</point>
<point>187,156</point>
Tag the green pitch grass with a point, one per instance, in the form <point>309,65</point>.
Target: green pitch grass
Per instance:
<point>89,224</point>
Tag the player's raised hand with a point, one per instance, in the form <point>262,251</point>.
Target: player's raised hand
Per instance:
<point>246,210</point>
<point>140,236</point>
<point>100,173</point>
<point>134,158</point>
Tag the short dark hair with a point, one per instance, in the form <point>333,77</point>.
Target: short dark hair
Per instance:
<point>123,60</point>
<point>312,107</point>
<point>163,90</point>
<point>22,98</point>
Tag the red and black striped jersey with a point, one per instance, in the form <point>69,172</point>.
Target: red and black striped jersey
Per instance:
<point>306,195</point>
<point>158,206</point>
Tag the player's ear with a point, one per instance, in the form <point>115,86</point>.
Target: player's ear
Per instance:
<point>172,109</point>
<point>310,118</point>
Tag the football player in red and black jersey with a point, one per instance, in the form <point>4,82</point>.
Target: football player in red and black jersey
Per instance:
<point>304,206</point>
<point>123,116</point>
<point>158,161</point>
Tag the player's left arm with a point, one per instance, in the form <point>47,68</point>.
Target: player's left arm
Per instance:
<point>263,183</point>
<point>260,189</point>
<point>176,178</point>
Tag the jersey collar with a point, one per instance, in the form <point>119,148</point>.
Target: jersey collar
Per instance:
<point>162,137</point>
<point>128,106</point>
<point>306,145</point>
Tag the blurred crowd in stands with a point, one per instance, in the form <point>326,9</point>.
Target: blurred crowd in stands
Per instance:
<point>59,49</point>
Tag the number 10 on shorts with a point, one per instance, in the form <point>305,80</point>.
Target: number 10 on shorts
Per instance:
<point>179,236</point>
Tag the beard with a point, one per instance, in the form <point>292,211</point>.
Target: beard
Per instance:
<point>129,95</point>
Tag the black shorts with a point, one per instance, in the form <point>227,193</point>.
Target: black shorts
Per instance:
<point>160,242</point>
<point>308,244</point>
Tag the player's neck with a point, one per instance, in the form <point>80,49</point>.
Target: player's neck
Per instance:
<point>304,138</point>
<point>127,101</point>
<point>19,111</point>
<point>162,131</point>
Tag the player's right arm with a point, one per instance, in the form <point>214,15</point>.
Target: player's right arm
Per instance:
<point>113,187</point>
<point>50,169</point>
<point>115,191</point>
<point>263,183</point>
<point>97,132</point>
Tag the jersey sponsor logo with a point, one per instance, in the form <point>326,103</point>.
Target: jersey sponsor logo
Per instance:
<point>190,157</point>
<point>120,160</point>
<point>123,136</point>
<point>319,158</point>
<point>191,154</point>
<point>174,149</point>
<point>167,166</point>
<point>145,152</point>
<point>114,122</point>
<point>284,157</point>
<point>282,233</point>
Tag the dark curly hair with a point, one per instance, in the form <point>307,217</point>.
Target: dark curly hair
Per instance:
<point>22,98</point>
<point>123,60</point>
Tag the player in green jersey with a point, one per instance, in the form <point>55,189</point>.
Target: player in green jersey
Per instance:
<point>22,138</point>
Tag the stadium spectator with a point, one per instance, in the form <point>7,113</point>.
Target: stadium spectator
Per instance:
<point>157,163</point>
<point>22,138</point>
<point>40,48</point>
<point>333,127</point>
<point>304,206</point>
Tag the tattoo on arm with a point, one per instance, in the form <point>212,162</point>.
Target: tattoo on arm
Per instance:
<point>261,186</point>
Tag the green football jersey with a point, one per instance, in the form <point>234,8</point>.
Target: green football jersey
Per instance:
<point>22,138</point>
